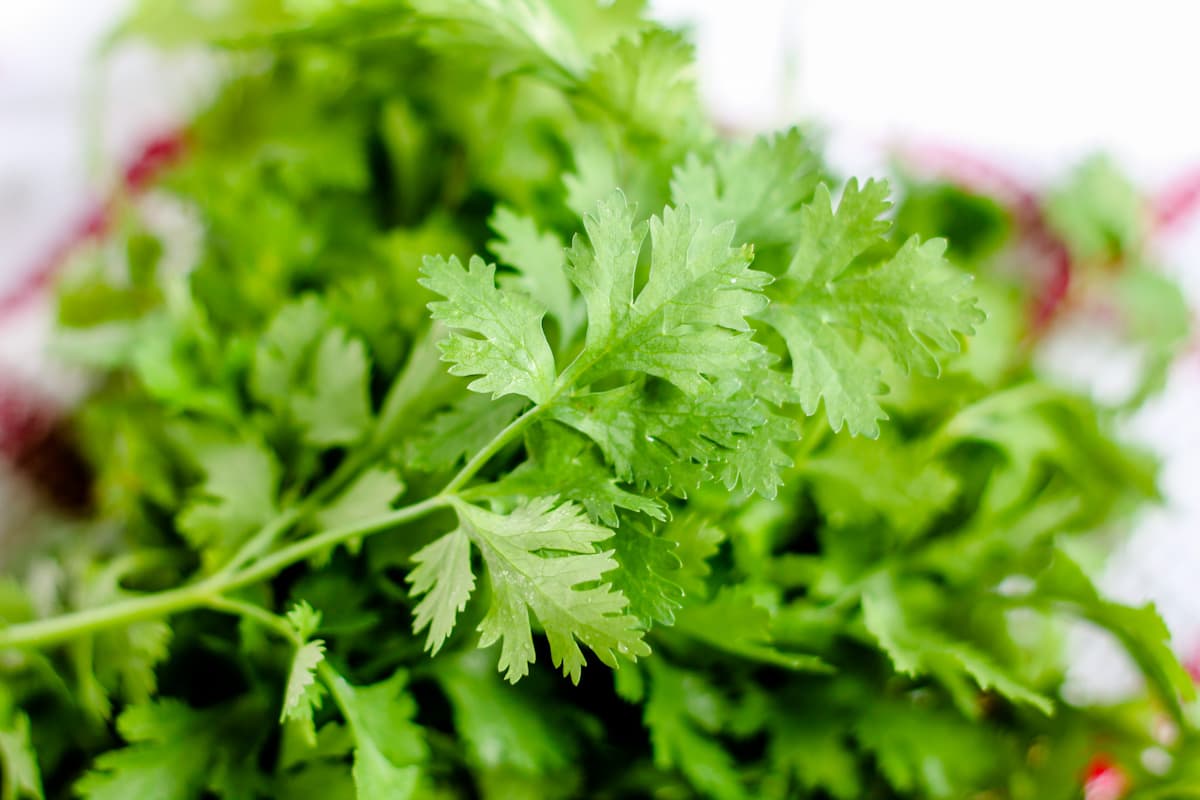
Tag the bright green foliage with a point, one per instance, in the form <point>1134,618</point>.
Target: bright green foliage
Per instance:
<point>537,558</point>
<point>1098,213</point>
<point>516,747</point>
<point>697,284</point>
<point>22,779</point>
<point>236,496</point>
<point>648,81</point>
<point>371,494</point>
<point>733,622</point>
<point>303,694</point>
<point>608,440</point>
<point>444,576</point>
<point>762,185</point>
<point>173,752</point>
<point>565,463</point>
<point>462,430</point>
<point>682,713</point>
<point>836,290</point>
<point>389,746</point>
<point>336,411</point>
<point>537,258</point>
<point>512,353</point>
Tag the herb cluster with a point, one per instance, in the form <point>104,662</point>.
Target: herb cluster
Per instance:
<point>489,355</point>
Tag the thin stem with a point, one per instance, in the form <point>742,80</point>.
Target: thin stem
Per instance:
<point>259,542</point>
<point>256,613</point>
<point>55,630</point>
<point>306,548</point>
<point>338,686</point>
<point>480,459</point>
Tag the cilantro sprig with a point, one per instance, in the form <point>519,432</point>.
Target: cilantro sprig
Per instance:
<point>521,363</point>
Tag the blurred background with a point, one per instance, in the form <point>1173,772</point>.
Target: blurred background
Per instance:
<point>1020,91</point>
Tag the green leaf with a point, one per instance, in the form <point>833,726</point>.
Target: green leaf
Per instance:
<point>1140,629</point>
<point>337,410</point>
<point>237,496</point>
<point>857,482</point>
<point>735,623</point>
<point>1098,213</point>
<point>915,649</point>
<point>173,753</point>
<point>512,354</point>
<point>443,575</point>
<point>663,439</point>
<point>813,748</point>
<point>539,260</point>
<point>687,324</point>
<point>303,694</point>
<point>549,586</point>
<point>680,710</point>
<point>304,619</point>
<point>370,495</point>
<point>540,559</point>
<point>761,185</point>
<point>498,724</point>
<point>649,569</point>
<point>928,752</point>
<point>284,350</point>
<point>462,430</point>
<point>390,748</point>
<point>565,463</point>
<point>21,779</point>
<point>1156,315</point>
<point>912,304</point>
<point>648,82</point>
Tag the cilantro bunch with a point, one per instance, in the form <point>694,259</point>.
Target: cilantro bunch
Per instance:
<point>474,351</point>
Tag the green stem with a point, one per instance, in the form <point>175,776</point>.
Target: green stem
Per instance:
<point>562,386</point>
<point>480,459</point>
<point>306,548</point>
<point>56,630</point>
<point>258,614</point>
<point>260,541</point>
<point>408,393</point>
<point>338,686</point>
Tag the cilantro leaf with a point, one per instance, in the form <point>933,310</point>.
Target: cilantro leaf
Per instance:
<point>666,440</point>
<point>443,575</point>
<point>733,622</point>
<point>513,356</point>
<point>498,728</point>
<point>682,712</point>
<point>174,752</point>
<point>687,324</point>
<point>303,695</point>
<point>371,494</point>
<point>337,410</point>
<point>649,568</point>
<point>911,303</point>
<point>649,81</point>
<point>21,780</point>
<point>285,348</point>
<point>915,649</point>
<point>761,185</point>
<point>241,480</point>
<point>389,747</point>
<point>462,430</point>
<point>539,259</point>
<point>537,558</point>
<point>564,463</point>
